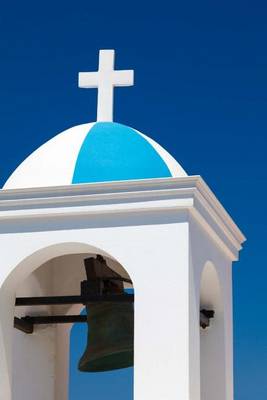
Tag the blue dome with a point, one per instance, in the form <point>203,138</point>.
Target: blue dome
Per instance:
<point>96,152</point>
<point>115,152</point>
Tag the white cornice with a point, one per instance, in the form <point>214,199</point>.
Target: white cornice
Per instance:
<point>187,193</point>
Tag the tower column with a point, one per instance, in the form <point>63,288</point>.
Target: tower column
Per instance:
<point>160,271</point>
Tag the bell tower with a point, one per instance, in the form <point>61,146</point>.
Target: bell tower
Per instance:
<point>137,219</point>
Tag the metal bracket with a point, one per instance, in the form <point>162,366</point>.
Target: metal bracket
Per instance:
<point>57,300</point>
<point>26,324</point>
<point>102,285</point>
<point>205,316</point>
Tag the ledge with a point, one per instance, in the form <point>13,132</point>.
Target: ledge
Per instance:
<point>187,193</point>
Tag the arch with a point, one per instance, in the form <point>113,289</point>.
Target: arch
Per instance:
<point>44,254</point>
<point>212,339</point>
<point>22,272</point>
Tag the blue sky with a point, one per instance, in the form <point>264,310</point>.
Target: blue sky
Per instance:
<point>200,90</point>
<point>116,384</point>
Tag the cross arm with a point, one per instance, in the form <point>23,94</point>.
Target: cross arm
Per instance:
<point>123,78</point>
<point>88,80</point>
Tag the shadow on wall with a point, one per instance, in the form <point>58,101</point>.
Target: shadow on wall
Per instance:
<point>212,343</point>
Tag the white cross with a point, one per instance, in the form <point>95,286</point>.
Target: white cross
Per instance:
<point>105,79</point>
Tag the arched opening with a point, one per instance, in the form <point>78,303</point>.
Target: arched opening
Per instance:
<point>50,354</point>
<point>212,339</point>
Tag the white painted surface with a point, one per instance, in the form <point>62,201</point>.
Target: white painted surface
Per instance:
<point>163,246</point>
<point>212,341</point>
<point>51,164</point>
<point>33,354</point>
<point>105,79</point>
<point>212,351</point>
<point>125,198</point>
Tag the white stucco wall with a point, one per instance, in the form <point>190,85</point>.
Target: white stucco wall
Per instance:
<point>211,279</point>
<point>32,354</point>
<point>163,238</point>
<point>144,250</point>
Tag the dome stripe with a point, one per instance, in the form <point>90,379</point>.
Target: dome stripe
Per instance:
<point>112,152</point>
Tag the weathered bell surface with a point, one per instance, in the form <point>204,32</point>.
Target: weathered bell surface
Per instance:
<point>110,337</point>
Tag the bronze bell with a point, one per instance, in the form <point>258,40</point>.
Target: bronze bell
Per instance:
<point>110,324</point>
